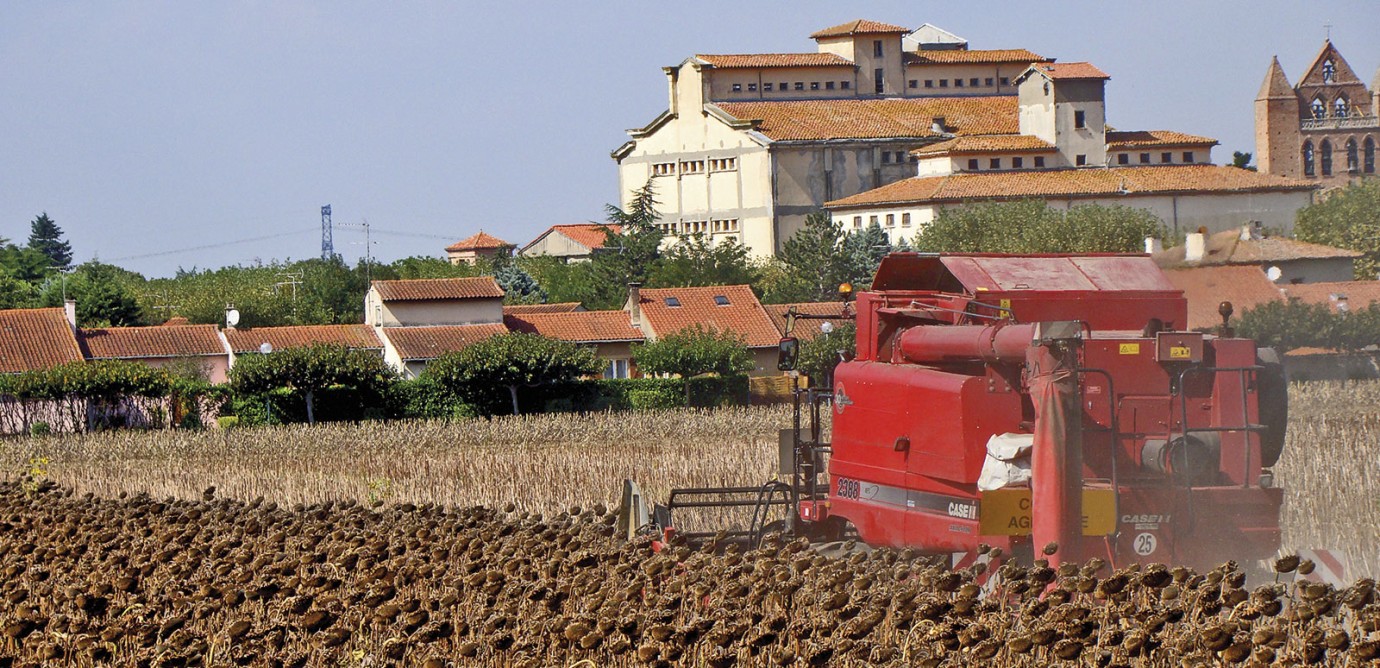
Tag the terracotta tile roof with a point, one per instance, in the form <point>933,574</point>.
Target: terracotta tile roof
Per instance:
<point>805,330</point>
<point>36,338</point>
<point>1229,248</point>
<point>426,343</point>
<point>877,119</point>
<point>1073,183</point>
<point>1355,294</point>
<point>974,56</point>
<point>756,60</point>
<point>177,321</point>
<point>527,309</point>
<point>430,289</point>
<point>743,314</point>
<point>355,337</point>
<point>589,235</point>
<point>1127,139</point>
<point>480,241</point>
<point>986,144</point>
<point>1069,71</point>
<point>1207,287</point>
<point>144,342</point>
<point>859,27</point>
<point>581,327</point>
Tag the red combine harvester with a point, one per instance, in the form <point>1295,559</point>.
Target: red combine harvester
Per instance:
<point>1031,401</point>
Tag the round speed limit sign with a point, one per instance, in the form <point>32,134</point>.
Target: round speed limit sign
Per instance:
<point>1145,544</point>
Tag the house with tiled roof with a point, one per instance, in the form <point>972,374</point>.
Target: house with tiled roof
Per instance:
<point>559,307</point>
<point>1287,261</point>
<point>480,245</point>
<point>408,349</point>
<point>752,143</point>
<point>610,333</point>
<point>657,312</point>
<point>433,301</point>
<point>257,339</point>
<point>1205,288</point>
<point>572,243</point>
<point>200,348</point>
<point>38,338</point>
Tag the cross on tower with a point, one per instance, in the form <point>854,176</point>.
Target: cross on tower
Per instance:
<point>1328,28</point>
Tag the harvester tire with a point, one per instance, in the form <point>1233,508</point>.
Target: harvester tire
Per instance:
<point>1273,396</point>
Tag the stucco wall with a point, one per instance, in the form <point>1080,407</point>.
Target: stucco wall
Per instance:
<point>938,74</point>
<point>437,312</point>
<point>558,245</point>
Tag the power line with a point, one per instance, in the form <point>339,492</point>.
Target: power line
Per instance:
<point>210,246</point>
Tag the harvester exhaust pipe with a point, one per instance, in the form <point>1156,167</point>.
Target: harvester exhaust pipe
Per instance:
<point>1056,459</point>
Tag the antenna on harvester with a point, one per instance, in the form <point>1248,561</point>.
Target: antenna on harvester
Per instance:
<point>327,246</point>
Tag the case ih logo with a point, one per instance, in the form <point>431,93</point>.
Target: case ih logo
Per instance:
<point>841,400</point>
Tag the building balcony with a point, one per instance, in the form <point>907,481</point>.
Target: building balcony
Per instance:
<point>1349,123</point>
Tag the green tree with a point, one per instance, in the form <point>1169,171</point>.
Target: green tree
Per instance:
<point>46,237</point>
<point>631,255</point>
<point>24,264</point>
<point>1347,218</point>
<point>511,361</point>
<point>308,370</point>
<point>15,293</point>
<point>1029,226</point>
<point>1286,325</point>
<point>811,261</point>
<point>1242,160</point>
<point>818,356</point>
<point>573,282</point>
<point>106,295</point>
<point>519,287</point>
<point>696,260</point>
<point>693,351</point>
<point>860,254</point>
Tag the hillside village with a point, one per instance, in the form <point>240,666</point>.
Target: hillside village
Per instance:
<point>882,130</point>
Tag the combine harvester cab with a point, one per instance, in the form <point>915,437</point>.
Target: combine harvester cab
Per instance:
<point>1054,404</point>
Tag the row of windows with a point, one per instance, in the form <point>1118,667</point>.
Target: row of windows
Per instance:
<point>1341,108</point>
<point>897,157</point>
<point>1166,158</point>
<point>974,82</point>
<point>875,220</point>
<point>1017,162</point>
<point>1358,159</point>
<point>784,86</point>
<point>717,226</point>
<point>694,166</point>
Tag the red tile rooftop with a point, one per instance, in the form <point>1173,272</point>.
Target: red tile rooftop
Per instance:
<point>811,120</point>
<point>153,342</point>
<point>430,289</point>
<point>37,338</point>
<point>359,337</point>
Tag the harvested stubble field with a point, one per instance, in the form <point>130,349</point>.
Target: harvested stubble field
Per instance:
<point>369,550</point>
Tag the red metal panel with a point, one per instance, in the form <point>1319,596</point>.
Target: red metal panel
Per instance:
<point>1123,273</point>
<point>1034,273</point>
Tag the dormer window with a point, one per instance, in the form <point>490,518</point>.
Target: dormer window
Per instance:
<point>720,300</point>
<point>673,302</point>
<point>1329,71</point>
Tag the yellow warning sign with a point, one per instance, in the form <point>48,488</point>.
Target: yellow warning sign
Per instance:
<point>1130,349</point>
<point>1180,353</point>
<point>1006,304</point>
<point>1006,512</point>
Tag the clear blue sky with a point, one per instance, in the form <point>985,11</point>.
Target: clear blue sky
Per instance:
<point>148,127</point>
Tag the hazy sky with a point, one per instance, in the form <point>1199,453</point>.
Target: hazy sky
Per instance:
<point>147,129</point>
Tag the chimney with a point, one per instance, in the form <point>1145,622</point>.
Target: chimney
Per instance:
<point>1194,246</point>
<point>69,307</point>
<point>1246,234</point>
<point>1153,245</point>
<point>635,304</point>
<point>937,125</point>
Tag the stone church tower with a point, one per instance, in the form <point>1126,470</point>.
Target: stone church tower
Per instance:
<point>1325,128</point>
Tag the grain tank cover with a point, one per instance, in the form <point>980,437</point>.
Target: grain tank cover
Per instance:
<point>972,273</point>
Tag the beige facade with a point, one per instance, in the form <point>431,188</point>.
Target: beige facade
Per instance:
<point>389,313</point>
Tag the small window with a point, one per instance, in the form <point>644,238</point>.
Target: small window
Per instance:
<point>1080,119</point>
<point>766,87</point>
<point>913,83</point>
<point>1166,157</point>
<point>1005,81</point>
<point>828,85</point>
<point>783,87</point>
<point>943,83</point>
<point>1188,156</point>
<point>857,222</point>
<point>1145,158</point>
<point>958,83</point>
<point>973,82</point>
<point>879,79</point>
<point>973,164</point>
<point>886,157</point>
<point>929,83</point>
<point>988,82</point>
<point>845,85</point>
<point>663,169</point>
<point>752,88</point>
<point>871,220</point>
<point>737,88</point>
<point>1039,161</point>
<point>673,302</point>
<point>877,48</point>
<point>1017,162</point>
<point>720,300</point>
<point>905,220</point>
<point>891,220</point>
<point>900,157</point>
<point>1329,71</point>
<point>814,85</point>
<point>995,163</point>
<point>800,85</point>
<point>1080,160</point>
<point>1123,159</point>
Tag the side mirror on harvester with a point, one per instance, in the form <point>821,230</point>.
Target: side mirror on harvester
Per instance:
<point>786,353</point>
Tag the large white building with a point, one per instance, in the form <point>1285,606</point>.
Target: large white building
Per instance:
<point>751,144</point>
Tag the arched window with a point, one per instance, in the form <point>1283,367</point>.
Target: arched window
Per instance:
<point>1369,155</point>
<point>1329,71</point>
<point>1319,108</point>
<point>1353,162</point>
<point>1308,158</point>
<point>1340,107</point>
<point>1326,159</point>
